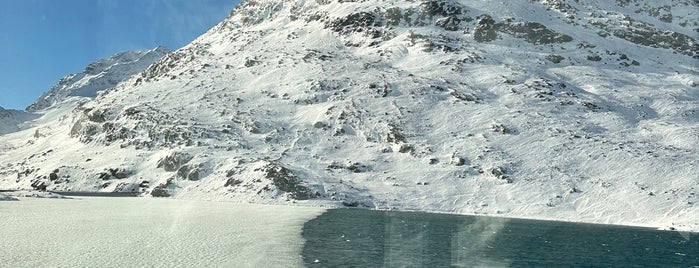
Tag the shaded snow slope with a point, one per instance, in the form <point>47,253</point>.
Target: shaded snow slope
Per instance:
<point>99,75</point>
<point>11,120</point>
<point>539,109</point>
<point>5,197</point>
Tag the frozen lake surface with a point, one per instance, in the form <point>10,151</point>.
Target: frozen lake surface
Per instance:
<point>147,232</point>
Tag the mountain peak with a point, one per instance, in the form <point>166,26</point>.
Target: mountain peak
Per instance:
<point>99,75</point>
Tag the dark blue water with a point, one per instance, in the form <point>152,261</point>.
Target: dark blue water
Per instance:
<point>364,238</point>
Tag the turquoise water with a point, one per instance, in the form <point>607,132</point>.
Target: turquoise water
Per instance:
<point>363,238</point>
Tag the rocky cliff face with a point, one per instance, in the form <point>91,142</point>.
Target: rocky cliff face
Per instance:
<point>543,109</point>
<point>98,76</point>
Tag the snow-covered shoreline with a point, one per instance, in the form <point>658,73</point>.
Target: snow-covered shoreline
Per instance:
<point>7,197</point>
<point>630,222</point>
<point>19,194</point>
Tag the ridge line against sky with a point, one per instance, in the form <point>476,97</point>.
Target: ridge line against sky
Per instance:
<point>43,40</point>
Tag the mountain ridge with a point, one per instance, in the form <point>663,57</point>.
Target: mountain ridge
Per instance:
<point>97,76</point>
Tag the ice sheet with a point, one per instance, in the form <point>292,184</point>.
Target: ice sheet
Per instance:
<point>145,232</point>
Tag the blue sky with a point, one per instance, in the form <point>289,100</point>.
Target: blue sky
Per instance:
<point>43,40</point>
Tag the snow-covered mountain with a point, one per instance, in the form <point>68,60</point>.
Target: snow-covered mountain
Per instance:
<point>100,75</point>
<point>569,110</point>
<point>11,120</point>
<point>97,76</point>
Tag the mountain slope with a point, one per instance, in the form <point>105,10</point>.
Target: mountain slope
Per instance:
<point>554,109</point>
<point>11,120</point>
<point>98,76</point>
